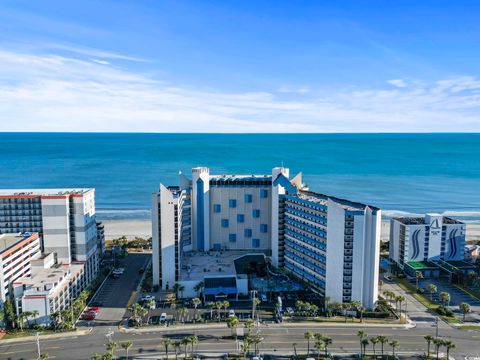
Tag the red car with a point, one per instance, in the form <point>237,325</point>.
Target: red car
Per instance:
<point>88,316</point>
<point>94,308</point>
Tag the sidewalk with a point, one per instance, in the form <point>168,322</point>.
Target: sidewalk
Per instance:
<point>48,336</point>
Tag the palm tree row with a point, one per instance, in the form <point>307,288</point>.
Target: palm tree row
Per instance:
<point>380,339</point>
<point>438,343</point>
<point>321,342</point>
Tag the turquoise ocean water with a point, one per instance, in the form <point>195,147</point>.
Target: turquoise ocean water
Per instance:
<point>412,173</point>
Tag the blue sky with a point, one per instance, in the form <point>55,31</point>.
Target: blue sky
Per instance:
<point>240,66</point>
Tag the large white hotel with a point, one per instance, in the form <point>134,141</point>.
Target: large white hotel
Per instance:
<point>329,243</point>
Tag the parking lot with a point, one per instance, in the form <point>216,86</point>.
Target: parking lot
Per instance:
<point>112,298</point>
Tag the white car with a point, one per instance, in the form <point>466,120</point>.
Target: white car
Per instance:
<point>163,317</point>
<point>263,297</point>
<point>147,298</point>
<point>289,310</point>
<point>231,313</point>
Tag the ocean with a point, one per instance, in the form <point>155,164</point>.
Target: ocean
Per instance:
<point>400,173</point>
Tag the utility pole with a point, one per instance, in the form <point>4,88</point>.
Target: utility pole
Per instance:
<point>436,326</point>
<point>38,345</point>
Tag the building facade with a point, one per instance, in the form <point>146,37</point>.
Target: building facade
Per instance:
<point>65,219</point>
<point>16,253</point>
<point>329,243</point>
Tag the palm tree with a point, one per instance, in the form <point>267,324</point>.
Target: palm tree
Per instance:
<point>232,323</point>
<point>429,339</point>
<point>444,298</point>
<point>346,306</point>
<point>364,343</point>
<point>195,302</point>
<point>327,340</point>
<point>21,319</point>
<point>96,357</point>
<point>176,346</point>
<point>218,305</point>
<point>165,342</point>
<point>357,305</point>
<point>249,324</point>
<point>326,301</point>
<point>361,334</point>
<point>34,315</point>
<point>432,289</point>
<point>472,277</point>
<point>211,305</point>
<point>438,343</point>
<point>374,342</point>
<point>193,341</point>
<point>44,356</point>
<point>449,345</point>
<point>126,345</point>
<point>394,344</point>
<point>464,308</point>
<point>185,341</point>
<point>382,339</point>
<point>176,289</point>
<point>400,299</point>
<point>319,346</point>
<point>225,305</point>
<point>182,312</point>
<point>380,284</point>
<point>418,276</point>
<point>255,303</point>
<point>245,347</point>
<point>111,346</point>
<point>197,288</point>
<point>308,336</point>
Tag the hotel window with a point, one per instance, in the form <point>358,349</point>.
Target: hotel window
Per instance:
<point>232,203</point>
<point>256,213</point>
<point>248,233</point>
<point>224,223</point>
<point>232,237</point>
<point>248,198</point>
<point>263,228</point>
<point>217,208</point>
<point>263,193</point>
<point>255,243</point>
<point>240,218</point>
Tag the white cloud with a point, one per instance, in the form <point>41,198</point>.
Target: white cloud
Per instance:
<point>398,83</point>
<point>60,93</point>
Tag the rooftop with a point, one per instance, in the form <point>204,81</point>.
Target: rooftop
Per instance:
<point>44,192</point>
<point>197,265</point>
<point>8,241</point>
<point>421,220</point>
<point>323,200</point>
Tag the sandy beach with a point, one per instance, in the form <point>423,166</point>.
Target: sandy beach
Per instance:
<point>143,228</point>
<point>128,228</point>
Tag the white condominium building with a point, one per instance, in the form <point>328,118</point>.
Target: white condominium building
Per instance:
<point>65,219</point>
<point>329,243</point>
<point>16,252</point>
<point>428,244</point>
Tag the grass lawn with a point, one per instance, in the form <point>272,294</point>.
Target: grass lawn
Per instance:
<point>31,332</point>
<point>341,319</point>
<point>469,327</point>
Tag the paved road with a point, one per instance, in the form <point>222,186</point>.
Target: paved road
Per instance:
<point>277,340</point>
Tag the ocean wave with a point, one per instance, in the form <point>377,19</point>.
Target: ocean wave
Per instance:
<point>123,214</point>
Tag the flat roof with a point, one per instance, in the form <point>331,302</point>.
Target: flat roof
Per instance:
<point>420,220</point>
<point>196,265</point>
<point>460,264</point>
<point>323,200</point>
<point>8,241</point>
<point>50,276</point>
<point>44,192</point>
<point>421,265</point>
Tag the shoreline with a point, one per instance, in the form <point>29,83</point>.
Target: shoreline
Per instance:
<point>143,229</point>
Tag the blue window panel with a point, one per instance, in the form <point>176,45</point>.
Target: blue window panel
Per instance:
<point>256,213</point>
<point>232,203</point>
<point>232,237</point>
<point>248,198</point>
<point>224,223</point>
<point>255,243</point>
<point>240,218</point>
<point>248,233</point>
<point>217,208</point>
<point>263,193</point>
<point>263,228</point>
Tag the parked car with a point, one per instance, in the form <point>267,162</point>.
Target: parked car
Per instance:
<point>263,298</point>
<point>388,278</point>
<point>147,298</point>
<point>163,317</point>
<point>289,310</point>
<point>88,315</point>
<point>96,309</point>
<point>231,313</point>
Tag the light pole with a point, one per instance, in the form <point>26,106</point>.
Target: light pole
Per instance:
<point>38,345</point>
<point>436,327</point>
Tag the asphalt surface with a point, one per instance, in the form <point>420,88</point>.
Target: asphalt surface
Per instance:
<point>278,339</point>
